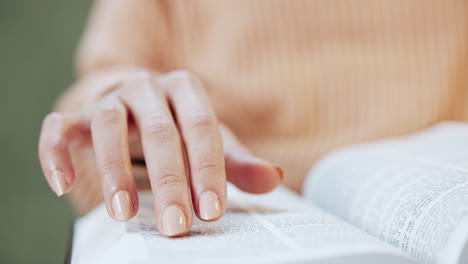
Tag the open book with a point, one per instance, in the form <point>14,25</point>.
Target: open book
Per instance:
<point>400,200</point>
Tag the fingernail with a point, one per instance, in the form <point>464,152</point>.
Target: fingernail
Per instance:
<point>280,172</point>
<point>122,205</point>
<point>60,184</point>
<point>174,222</point>
<point>209,206</point>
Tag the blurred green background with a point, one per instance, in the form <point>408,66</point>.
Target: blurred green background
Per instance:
<point>37,44</point>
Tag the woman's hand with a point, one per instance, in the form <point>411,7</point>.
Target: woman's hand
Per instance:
<point>177,134</point>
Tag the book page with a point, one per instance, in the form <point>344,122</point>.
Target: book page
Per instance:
<point>274,228</point>
<point>411,192</point>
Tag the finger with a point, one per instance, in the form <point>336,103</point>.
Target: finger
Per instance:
<point>57,133</point>
<point>249,173</point>
<point>163,153</point>
<point>199,128</point>
<point>110,141</point>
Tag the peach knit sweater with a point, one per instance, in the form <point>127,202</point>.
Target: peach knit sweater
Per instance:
<point>296,79</point>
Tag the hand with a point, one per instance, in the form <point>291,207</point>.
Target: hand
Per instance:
<point>182,143</point>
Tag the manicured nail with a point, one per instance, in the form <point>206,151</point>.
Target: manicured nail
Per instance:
<point>280,172</point>
<point>122,205</point>
<point>59,182</point>
<point>174,221</point>
<point>209,206</point>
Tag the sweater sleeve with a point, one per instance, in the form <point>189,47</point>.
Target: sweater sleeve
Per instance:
<point>122,33</point>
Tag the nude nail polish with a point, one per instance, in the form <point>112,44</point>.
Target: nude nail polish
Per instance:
<point>209,206</point>
<point>122,205</point>
<point>174,221</point>
<point>59,182</point>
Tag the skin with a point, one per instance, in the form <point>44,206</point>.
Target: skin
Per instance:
<point>167,120</point>
<point>141,114</point>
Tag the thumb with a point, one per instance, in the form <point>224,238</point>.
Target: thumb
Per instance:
<point>249,173</point>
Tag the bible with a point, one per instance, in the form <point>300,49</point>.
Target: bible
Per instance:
<point>398,200</point>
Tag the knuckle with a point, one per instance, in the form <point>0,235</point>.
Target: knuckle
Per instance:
<point>142,78</point>
<point>112,163</point>
<point>141,83</point>
<point>53,143</point>
<point>108,114</point>
<point>202,121</point>
<point>161,130</point>
<point>55,146</point>
<point>209,166</point>
<point>52,148</point>
<point>183,75</point>
<point>172,177</point>
<point>181,78</point>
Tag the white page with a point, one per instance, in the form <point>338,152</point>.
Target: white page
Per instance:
<point>274,228</point>
<point>411,192</point>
